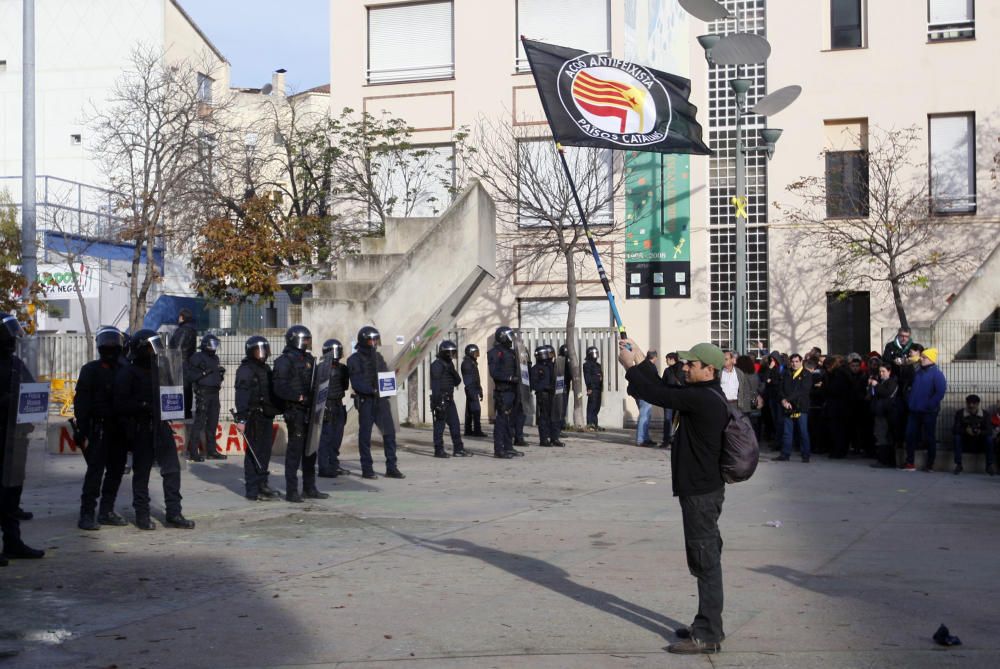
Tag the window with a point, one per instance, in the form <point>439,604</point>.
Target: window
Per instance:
<point>848,322</point>
<point>3,65</point>
<point>590,313</point>
<point>75,139</point>
<point>205,88</point>
<point>416,182</point>
<point>950,20</point>
<point>549,21</point>
<point>953,164</point>
<point>541,182</point>
<point>411,42</point>
<point>846,169</point>
<point>845,24</point>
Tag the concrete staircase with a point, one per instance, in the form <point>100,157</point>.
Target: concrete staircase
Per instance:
<point>412,282</point>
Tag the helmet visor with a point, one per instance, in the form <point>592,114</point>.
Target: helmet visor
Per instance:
<point>13,327</point>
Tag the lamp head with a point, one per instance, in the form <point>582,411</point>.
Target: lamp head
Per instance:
<point>707,42</point>
<point>770,137</point>
<point>740,87</point>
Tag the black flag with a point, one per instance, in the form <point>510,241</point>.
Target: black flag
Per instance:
<point>601,101</point>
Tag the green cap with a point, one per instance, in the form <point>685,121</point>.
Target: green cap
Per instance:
<point>707,354</point>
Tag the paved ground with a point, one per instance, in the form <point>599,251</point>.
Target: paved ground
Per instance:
<point>565,558</point>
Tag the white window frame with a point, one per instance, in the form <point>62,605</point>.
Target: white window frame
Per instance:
<point>602,219</point>
<point>960,26</point>
<point>205,84</point>
<point>953,204</point>
<point>422,72</point>
<point>521,62</point>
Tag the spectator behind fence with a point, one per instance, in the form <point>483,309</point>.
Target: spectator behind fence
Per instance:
<point>859,420</point>
<point>928,390</point>
<point>819,438</point>
<point>795,386</point>
<point>645,414</point>
<point>973,432</point>
<point>897,351</point>
<point>836,405</point>
<point>882,391</point>
<point>772,397</point>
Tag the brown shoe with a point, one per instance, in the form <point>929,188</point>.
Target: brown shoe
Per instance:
<point>693,646</point>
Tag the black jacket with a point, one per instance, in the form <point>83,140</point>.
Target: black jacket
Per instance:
<point>203,371</point>
<point>593,375</point>
<point>137,391</point>
<point>94,399</point>
<point>795,390</point>
<point>673,375</point>
<point>503,368</point>
<point>972,426</point>
<point>694,459</point>
<point>883,397</point>
<point>340,383</point>
<point>364,366</point>
<point>254,384</point>
<point>444,378</point>
<point>470,375</point>
<point>293,372</point>
<point>185,339</point>
<point>543,377</point>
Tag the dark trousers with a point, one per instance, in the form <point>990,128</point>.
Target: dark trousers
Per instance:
<point>520,418</point>
<point>885,444</point>
<point>921,426</point>
<point>206,422</point>
<point>703,544</point>
<point>503,430</point>
<point>777,414</point>
<point>10,500</point>
<point>449,416</point>
<point>548,427</point>
<point>260,437</point>
<point>372,412</point>
<point>564,398</point>
<point>593,406</point>
<point>106,454</point>
<point>188,400</point>
<point>295,454</point>
<point>793,425</point>
<point>964,442</point>
<point>331,437</point>
<point>154,440</point>
<point>473,413</point>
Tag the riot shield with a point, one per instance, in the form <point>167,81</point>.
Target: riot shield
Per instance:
<point>170,397</point>
<point>28,404</point>
<point>173,360</point>
<point>560,396</point>
<point>524,365</point>
<point>320,389</point>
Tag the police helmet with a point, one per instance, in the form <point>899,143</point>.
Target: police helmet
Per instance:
<point>564,351</point>
<point>257,343</point>
<point>369,337</point>
<point>11,330</point>
<point>333,347</point>
<point>504,336</point>
<point>593,353</point>
<point>210,343</point>
<point>540,353</point>
<point>299,337</point>
<point>146,344</point>
<point>472,351</point>
<point>447,350</point>
<point>109,340</point>
<point>550,352</point>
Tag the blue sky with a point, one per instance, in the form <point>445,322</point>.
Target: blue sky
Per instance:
<point>260,36</point>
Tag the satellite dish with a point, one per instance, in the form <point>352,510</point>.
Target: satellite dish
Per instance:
<point>741,49</point>
<point>772,103</point>
<point>266,89</point>
<point>706,10</point>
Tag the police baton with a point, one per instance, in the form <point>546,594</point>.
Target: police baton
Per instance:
<point>246,441</point>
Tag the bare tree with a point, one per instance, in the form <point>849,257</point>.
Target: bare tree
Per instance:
<point>76,241</point>
<point>158,125</point>
<point>541,231</point>
<point>872,219</point>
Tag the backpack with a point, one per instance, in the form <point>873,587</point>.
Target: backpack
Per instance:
<point>740,450</point>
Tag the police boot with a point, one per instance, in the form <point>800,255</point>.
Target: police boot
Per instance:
<point>520,442</point>
<point>556,442</point>
<point>394,474</point>
<point>180,522</point>
<point>314,493</point>
<point>215,455</point>
<point>21,551</point>
<point>461,453</point>
<point>544,443</point>
<point>144,522</point>
<point>111,518</point>
<point>268,491</point>
<point>88,522</point>
<point>439,452</point>
<point>293,496</point>
<point>506,455</point>
<point>515,453</point>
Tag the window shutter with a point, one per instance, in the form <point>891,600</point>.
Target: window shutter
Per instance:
<point>577,24</point>
<point>410,42</point>
<point>949,11</point>
<point>953,164</point>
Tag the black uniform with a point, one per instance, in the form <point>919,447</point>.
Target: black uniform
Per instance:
<point>363,367</point>
<point>334,419</point>
<point>567,384</point>
<point>256,406</point>
<point>185,339</point>
<point>444,380</point>
<point>293,372</point>
<point>543,382</point>
<point>10,498</point>
<point>473,396</point>
<point>203,373</point>
<point>137,399</point>
<point>506,376</point>
<point>98,422</point>
<point>593,377</point>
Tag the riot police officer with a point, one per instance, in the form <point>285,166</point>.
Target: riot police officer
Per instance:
<point>335,416</point>
<point>255,411</point>
<point>506,375</point>
<point>473,392</point>
<point>203,372</point>
<point>12,374</point>
<point>543,382</point>
<point>568,381</point>
<point>364,365</point>
<point>593,378</point>
<point>98,432</point>
<point>444,380</point>
<point>293,375</point>
<point>137,398</point>
<point>184,340</point>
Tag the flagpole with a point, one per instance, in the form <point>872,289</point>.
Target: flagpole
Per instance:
<point>593,246</point>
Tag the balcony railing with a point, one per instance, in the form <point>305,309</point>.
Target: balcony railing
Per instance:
<point>944,31</point>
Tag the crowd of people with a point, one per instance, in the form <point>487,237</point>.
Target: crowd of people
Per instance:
<point>873,405</point>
